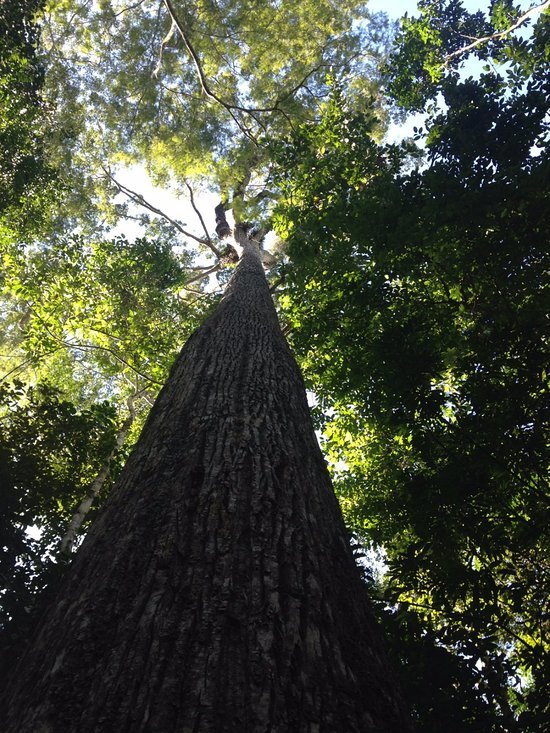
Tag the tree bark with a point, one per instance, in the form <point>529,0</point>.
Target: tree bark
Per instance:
<point>216,591</point>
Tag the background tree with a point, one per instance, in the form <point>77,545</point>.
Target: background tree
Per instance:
<point>416,301</point>
<point>50,451</point>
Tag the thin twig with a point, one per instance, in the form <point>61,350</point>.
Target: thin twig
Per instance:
<point>129,7</point>
<point>202,275</point>
<point>83,347</point>
<point>31,360</point>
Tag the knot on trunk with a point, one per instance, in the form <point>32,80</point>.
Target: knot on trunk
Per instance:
<point>229,255</point>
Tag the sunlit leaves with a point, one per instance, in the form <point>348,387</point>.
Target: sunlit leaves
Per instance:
<point>114,302</point>
<point>130,87</point>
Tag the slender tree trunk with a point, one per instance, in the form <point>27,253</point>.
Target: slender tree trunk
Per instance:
<point>216,591</point>
<point>83,509</point>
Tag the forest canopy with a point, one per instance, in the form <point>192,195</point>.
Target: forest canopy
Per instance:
<point>409,277</point>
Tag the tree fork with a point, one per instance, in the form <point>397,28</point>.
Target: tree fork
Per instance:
<point>216,591</point>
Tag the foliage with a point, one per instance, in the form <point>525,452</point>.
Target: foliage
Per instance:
<point>114,305</point>
<point>427,53</point>
<point>27,180</point>
<point>417,306</point>
<point>50,451</point>
<point>193,90</point>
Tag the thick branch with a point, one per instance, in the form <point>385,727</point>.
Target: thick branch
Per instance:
<point>541,7</point>
<point>223,229</point>
<point>139,199</point>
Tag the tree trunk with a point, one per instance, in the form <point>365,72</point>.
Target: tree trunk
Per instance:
<point>216,591</point>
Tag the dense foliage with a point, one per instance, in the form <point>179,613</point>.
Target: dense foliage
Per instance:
<point>191,89</point>
<point>417,304</point>
<point>113,304</point>
<point>28,181</point>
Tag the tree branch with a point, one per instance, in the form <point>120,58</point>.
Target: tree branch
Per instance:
<point>141,201</point>
<point>541,7</point>
<point>457,614</point>
<point>129,7</point>
<point>202,275</point>
<point>84,347</point>
<point>198,213</point>
<point>31,360</point>
<point>165,41</point>
<point>207,89</point>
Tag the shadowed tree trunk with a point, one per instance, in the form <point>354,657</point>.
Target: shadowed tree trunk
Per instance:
<point>216,591</point>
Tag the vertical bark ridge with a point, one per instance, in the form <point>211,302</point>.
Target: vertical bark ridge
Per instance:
<point>216,591</point>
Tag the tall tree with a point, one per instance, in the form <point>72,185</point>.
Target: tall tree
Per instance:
<point>187,88</point>
<point>217,590</point>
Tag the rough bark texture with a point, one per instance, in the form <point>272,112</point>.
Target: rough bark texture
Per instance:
<point>216,591</point>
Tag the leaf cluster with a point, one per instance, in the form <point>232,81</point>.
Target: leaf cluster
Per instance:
<point>432,47</point>
<point>113,304</point>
